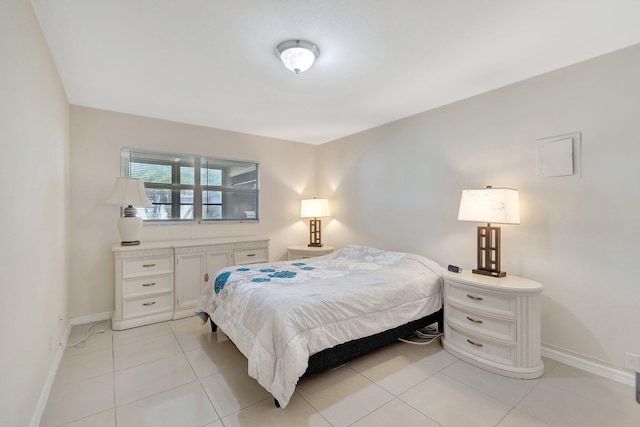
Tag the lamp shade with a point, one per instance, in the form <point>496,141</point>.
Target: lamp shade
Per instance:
<point>491,205</point>
<point>314,208</point>
<point>129,192</point>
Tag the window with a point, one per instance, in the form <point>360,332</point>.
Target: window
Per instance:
<point>187,187</point>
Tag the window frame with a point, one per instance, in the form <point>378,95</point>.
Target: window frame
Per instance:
<point>178,160</point>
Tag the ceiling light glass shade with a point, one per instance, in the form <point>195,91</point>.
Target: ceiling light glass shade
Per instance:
<point>491,205</point>
<point>297,55</point>
<point>314,208</point>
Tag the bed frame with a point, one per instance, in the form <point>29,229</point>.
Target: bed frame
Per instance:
<point>342,353</point>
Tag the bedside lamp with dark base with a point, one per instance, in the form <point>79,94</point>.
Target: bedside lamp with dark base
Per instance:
<point>490,205</point>
<point>314,209</point>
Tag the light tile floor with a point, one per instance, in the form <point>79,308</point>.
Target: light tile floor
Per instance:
<point>178,374</point>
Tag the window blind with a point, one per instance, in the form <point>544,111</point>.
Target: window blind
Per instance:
<point>188,187</point>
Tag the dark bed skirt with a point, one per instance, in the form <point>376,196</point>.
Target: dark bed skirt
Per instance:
<point>343,353</point>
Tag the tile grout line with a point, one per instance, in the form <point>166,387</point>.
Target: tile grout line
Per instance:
<point>198,379</point>
<point>152,361</point>
<point>527,394</point>
<point>311,406</point>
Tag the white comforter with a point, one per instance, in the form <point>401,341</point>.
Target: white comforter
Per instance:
<point>279,314</point>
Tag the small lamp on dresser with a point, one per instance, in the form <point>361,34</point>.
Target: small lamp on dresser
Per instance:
<point>314,209</point>
<point>129,192</point>
<point>490,205</point>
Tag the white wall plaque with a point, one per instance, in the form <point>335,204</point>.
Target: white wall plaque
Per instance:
<point>558,156</point>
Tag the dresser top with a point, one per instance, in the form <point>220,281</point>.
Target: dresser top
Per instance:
<point>185,243</point>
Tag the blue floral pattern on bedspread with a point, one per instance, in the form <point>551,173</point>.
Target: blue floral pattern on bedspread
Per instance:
<point>221,281</point>
<point>349,258</point>
<point>262,275</point>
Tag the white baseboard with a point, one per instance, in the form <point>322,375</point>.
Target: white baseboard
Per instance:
<point>55,363</point>
<point>588,364</point>
<point>46,389</point>
<point>91,318</point>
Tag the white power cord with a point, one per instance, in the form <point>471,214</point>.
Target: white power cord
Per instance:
<point>89,334</point>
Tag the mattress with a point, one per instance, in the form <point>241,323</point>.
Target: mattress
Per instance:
<point>279,314</point>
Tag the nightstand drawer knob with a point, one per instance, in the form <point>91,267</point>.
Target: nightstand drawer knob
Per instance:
<point>149,284</point>
<point>474,298</point>
<point>475,343</point>
<point>251,255</point>
<point>148,265</point>
<point>471,319</point>
<point>146,304</point>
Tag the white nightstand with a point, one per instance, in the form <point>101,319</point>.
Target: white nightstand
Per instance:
<point>304,251</point>
<point>494,323</point>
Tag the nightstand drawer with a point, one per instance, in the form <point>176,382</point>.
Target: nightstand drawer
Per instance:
<point>503,329</point>
<point>143,306</point>
<point>479,346</point>
<point>147,266</point>
<point>478,299</point>
<point>250,256</point>
<point>147,285</point>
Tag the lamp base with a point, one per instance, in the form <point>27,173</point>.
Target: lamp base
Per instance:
<point>489,272</point>
<point>489,252</point>
<point>315,238</point>
<point>130,229</point>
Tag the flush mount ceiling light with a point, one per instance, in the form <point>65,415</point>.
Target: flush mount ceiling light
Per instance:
<point>297,55</point>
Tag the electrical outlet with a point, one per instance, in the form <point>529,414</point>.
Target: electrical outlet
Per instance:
<point>632,361</point>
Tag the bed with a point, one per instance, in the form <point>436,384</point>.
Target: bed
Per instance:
<point>294,318</point>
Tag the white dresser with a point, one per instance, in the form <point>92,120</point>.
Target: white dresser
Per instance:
<point>494,323</point>
<point>163,280</point>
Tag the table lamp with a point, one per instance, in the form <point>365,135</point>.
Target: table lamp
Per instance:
<point>314,208</point>
<point>129,192</point>
<point>490,205</point>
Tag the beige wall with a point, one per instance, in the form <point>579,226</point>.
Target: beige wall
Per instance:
<point>398,187</point>
<point>34,128</point>
<point>287,174</point>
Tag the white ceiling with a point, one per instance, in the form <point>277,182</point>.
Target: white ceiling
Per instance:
<point>213,62</point>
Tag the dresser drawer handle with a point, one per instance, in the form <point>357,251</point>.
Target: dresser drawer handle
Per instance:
<point>474,298</point>
<point>149,284</point>
<point>475,343</point>
<point>251,255</point>
<point>148,265</point>
<point>146,304</point>
<point>471,319</point>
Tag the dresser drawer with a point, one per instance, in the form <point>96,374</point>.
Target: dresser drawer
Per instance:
<point>147,266</point>
<point>504,329</point>
<point>482,300</point>
<point>143,306</point>
<point>501,353</point>
<point>141,286</point>
<point>250,256</point>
